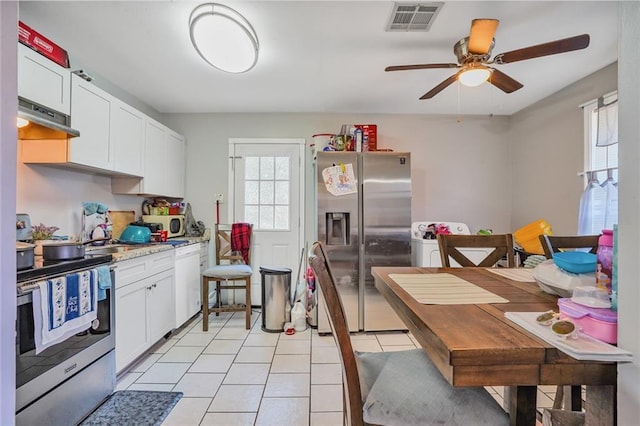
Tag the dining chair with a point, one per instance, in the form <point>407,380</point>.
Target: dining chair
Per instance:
<point>502,245</point>
<point>397,388</point>
<point>236,268</point>
<point>554,244</point>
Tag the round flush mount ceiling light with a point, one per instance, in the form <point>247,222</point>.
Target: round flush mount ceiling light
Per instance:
<point>474,75</point>
<point>223,38</point>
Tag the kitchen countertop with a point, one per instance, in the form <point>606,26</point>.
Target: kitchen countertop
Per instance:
<point>130,251</point>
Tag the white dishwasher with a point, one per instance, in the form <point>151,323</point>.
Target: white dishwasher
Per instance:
<point>187,288</point>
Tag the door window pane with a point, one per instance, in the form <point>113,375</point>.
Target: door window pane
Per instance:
<point>282,192</point>
<point>251,214</point>
<point>251,192</point>
<point>267,192</point>
<point>251,167</point>
<point>282,168</point>
<point>266,168</point>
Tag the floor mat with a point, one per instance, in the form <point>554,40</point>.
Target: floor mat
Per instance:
<point>134,408</point>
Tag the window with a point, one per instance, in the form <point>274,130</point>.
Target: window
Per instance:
<point>599,203</point>
<point>267,192</point>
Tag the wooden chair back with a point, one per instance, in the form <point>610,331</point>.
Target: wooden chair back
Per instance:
<point>224,253</point>
<point>352,394</point>
<point>502,245</point>
<point>555,243</point>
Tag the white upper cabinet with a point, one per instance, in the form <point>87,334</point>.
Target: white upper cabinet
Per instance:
<point>127,138</point>
<point>91,115</point>
<point>155,178</point>
<point>176,163</point>
<point>42,81</point>
<point>112,135</point>
<point>164,165</point>
<point>144,156</point>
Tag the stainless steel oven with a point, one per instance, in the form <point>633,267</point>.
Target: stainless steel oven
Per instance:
<point>66,381</point>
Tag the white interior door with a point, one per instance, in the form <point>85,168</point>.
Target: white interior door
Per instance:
<point>267,184</point>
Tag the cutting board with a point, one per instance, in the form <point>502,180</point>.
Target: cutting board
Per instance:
<point>119,220</point>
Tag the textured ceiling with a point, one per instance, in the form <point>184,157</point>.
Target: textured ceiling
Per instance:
<point>324,56</point>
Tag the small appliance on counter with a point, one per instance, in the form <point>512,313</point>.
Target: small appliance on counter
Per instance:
<point>173,224</point>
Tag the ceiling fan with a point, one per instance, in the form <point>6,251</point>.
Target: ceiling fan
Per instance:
<point>474,58</point>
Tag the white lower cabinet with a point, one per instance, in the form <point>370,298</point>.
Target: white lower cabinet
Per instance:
<point>145,306</point>
<point>187,297</point>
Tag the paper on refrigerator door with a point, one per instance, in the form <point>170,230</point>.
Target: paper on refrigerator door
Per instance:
<point>340,179</point>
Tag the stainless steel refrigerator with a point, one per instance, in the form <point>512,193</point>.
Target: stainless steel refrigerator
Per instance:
<point>364,219</point>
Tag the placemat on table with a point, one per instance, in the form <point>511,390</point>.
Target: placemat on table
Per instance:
<point>444,289</point>
<point>516,274</point>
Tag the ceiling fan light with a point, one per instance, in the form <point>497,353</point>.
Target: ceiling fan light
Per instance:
<point>223,38</point>
<point>474,76</point>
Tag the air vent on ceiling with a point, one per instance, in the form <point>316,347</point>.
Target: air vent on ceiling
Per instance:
<point>413,16</point>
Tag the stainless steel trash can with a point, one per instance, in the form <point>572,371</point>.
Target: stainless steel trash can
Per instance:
<point>276,298</point>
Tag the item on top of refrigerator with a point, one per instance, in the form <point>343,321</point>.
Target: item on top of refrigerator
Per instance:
<point>369,136</point>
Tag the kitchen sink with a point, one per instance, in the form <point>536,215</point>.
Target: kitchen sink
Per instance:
<point>116,248</point>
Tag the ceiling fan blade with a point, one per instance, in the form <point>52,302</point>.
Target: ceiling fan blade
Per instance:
<point>419,67</point>
<point>481,35</point>
<point>504,82</point>
<point>440,87</point>
<point>545,49</point>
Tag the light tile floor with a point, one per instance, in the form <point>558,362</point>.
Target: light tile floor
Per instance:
<point>232,376</point>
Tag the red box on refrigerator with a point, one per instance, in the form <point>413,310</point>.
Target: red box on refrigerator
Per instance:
<point>42,45</point>
<point>369,136</point>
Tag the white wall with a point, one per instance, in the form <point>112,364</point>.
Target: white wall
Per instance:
<point>629,227</point>
<point>547,153</point>
<point>460,171</point>
<point>8,134</point>
<point>54,196</point>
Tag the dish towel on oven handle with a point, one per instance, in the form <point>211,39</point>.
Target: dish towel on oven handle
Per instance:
<point>63,307</point>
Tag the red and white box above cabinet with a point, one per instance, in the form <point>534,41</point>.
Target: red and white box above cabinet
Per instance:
<point>36,41</point>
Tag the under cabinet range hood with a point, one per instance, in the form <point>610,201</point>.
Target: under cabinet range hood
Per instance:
<point>43,123</point>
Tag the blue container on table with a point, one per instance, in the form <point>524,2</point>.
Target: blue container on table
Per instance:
<point>576,262</point>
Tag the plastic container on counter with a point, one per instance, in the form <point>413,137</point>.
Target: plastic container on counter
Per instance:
<point>599,323</point>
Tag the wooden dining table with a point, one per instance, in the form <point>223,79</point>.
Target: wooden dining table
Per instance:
<point>473,344</point>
